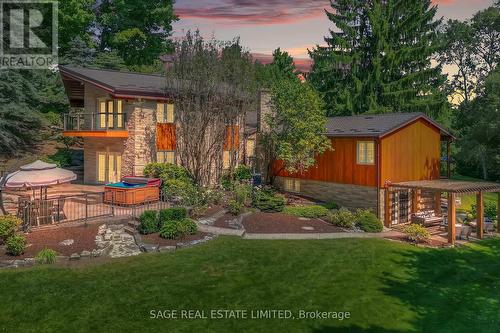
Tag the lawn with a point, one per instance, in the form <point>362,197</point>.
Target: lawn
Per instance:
<point>468,200</point>
<point>386,286</point>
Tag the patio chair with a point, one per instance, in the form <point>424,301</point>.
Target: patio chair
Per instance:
<point>489,228</point>
<point>465,232</point>
<point>45,213</point>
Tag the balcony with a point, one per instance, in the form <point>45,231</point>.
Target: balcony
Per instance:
<point>98,125</point>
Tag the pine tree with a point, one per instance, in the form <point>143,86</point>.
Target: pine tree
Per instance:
<point>379,59</point>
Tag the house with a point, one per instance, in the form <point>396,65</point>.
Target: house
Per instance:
<point>370,152</point>
<point>128,120</point>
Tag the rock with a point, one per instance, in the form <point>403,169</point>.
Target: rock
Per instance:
<point>67,242</point>
<point>304,219</point>
<point>85,254</point>
<point>98,239</point>
<point>107,237</point>
<point>308,228</point>
<point>96,253</point>
<point>19,262</point>
<point>149,247</point>
<point>167,248</point>
<point>74,256</point>
<point>30,261</point>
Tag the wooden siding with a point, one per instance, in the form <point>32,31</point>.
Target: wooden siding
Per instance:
<point>232,140</point>
<point>165,137</point>
<point>411,153</point>
<point>338,165</point>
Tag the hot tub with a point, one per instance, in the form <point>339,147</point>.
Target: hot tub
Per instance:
<point>132,191</point>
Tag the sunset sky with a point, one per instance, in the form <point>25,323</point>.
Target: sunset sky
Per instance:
<point>293,25</point>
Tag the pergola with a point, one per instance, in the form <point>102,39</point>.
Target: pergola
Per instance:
<point>452,188</point>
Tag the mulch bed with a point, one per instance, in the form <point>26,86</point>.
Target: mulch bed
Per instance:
<point>156,239</point>
<point>83,236</point>
<point>273,223</point>
<point>223,221</point>
<point>297,200</point>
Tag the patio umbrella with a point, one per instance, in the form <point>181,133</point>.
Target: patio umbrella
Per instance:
<point>39,175</point>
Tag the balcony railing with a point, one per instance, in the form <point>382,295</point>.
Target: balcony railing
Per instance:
<point>95,122</point>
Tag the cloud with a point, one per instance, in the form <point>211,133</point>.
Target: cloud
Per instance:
<point>257,12</point>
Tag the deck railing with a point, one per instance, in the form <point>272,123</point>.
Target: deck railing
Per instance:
<point>81,207</point>
<point>95,121</point>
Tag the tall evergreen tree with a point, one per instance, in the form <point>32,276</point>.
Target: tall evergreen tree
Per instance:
<point>378,58</point>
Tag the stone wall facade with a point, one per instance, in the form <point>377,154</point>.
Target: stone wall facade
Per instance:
<point>346,195</point>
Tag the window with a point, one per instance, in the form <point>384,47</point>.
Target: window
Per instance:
<point>167,157</point>
<point>291,185</point>
<point>250,149</point>
<point>227,157</point>
<point>164,113</point>
<point>110,113</point>
<point>366,152</point>
<point>109,167</point>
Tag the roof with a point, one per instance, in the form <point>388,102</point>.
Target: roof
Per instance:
<point>119,83</point>
<point>449,185</point>
<point>375,125</point>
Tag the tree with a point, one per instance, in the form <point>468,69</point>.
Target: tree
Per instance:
<point>295,127</point>
<point>214,86</point>
<point>75,21</point>
<point>378,59</point>
<point>138,30</point>
<point>479,143</point>
<point>281,68</point>
<point>458,38</point>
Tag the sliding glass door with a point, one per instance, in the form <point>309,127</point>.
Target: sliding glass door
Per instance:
<point>109,167</point>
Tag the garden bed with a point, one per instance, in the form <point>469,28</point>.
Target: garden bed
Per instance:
<point>272,223</point>
<point>226,221</point>
<point>83,240</point>
<point>155,239</point>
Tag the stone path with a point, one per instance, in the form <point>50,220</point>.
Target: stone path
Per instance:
<point>115,242</point>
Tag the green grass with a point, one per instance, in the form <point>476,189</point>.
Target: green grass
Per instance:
<point>469,200</point>
<point>387,287</point>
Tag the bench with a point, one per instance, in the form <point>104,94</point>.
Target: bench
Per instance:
<point>426,218</point>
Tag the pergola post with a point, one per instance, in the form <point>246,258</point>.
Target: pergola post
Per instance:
<point>387,208</point>
<point>437,203</point>
<point>415,200</point>
<point>480,214</point>
<point>452,218</point>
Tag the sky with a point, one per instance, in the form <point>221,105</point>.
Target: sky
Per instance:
<point>293,25</point>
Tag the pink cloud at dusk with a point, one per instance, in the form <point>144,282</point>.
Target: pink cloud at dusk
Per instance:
<point>258,12</point>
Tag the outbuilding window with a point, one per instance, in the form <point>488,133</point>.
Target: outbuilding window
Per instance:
<point>366,152</point>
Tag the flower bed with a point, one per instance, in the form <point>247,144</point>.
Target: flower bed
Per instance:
<point>83,240</point>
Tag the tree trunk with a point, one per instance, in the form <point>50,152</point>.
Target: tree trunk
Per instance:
<point>3,180</point>
<point>483,167</point>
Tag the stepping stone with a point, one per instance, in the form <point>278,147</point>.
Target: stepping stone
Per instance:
<point>67,242</point>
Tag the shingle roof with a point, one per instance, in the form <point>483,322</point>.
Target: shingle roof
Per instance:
<point>120,82</point>
<point>376,125</point>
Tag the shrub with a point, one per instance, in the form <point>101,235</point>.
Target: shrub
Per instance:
<point>175,229</point>
<point>15,245</point>
<point>182,190</point>
<point>490,209</point>
<point>416,233</point>
<point>242,173</point>
<point>167,171</point>
<point>367,221</point>
<point>176,213</point>
<point>8,226</point>
<point>342,218</point>
<point>331,206</point>
<point>268,201</point>
<point>313,211</point>
<point>46,256</point>
<point>149,222</point>
<point>243,194</point>
<point>234,207</point>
